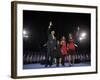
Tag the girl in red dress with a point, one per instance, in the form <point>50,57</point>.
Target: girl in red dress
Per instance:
<point>63,50</point>
<point>71,50</point>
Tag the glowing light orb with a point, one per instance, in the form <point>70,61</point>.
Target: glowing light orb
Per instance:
<point>25,34</point>
<point>83,34</point>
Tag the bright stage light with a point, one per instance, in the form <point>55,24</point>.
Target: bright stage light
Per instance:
<point>80,38</point>
<point>25,34</point>
<point>83,34</point>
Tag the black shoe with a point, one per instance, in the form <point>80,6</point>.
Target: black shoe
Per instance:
<point>63,64</point>
<point>57,65</point>
<point>70,65</point>
<point>50,65</point>
<point>46,65</point>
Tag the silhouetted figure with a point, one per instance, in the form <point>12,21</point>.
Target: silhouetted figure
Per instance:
<point>51,46</point>
<point>71,50</point>
<point>63,50</point>
<point>58,54</point>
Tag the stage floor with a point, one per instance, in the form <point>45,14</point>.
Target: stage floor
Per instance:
<point>38,66</point>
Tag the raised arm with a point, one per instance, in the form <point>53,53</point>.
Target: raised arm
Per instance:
<point>49,27</point>
<point>50,24</point>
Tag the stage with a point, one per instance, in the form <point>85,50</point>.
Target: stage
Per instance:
<point>38,66</point>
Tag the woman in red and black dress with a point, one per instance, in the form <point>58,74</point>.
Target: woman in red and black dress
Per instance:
<point>63,49</point>
<point>71,50</point>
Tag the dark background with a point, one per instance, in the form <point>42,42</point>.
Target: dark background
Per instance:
<point>37,22</point>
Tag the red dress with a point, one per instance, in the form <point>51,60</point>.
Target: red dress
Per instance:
<point>63,47</point>
<point>71,44</point>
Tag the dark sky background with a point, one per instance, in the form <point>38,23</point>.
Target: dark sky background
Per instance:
<point>37,22</point>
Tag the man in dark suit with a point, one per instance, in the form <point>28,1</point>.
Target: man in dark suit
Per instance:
<point>51,46</point>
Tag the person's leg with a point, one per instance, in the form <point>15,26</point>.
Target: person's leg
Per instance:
<point>63,60</point>
<point>51,58</point>
<point>73,57</point>
<point>51,61</point>
<point>47,62</point>
<point>57,61</point>
<point>69,57</point>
